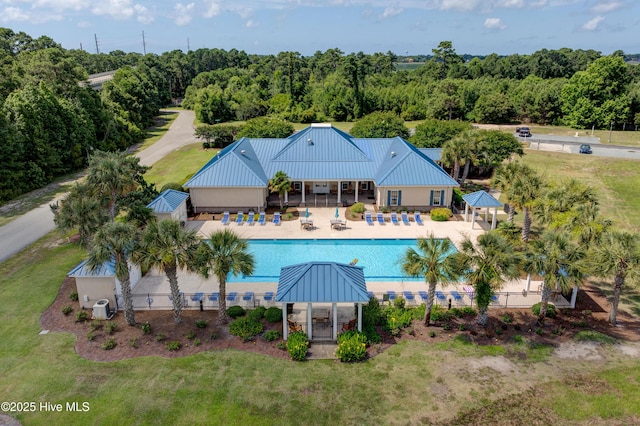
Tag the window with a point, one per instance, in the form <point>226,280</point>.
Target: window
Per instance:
<point>436,197</point>
<point>393,198</point>
<point>297,186</point>
<point>364,186</point>
<point>345,186</point>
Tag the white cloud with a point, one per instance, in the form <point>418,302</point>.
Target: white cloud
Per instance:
<point>83,24</point>
<point>61,5</point>
<point>510,3</point>
<point>494,24</point>
<point>118,9</point>
<point>391,11</point>
<point>213,9</point>
<point>13,14</point>
<point>251,24</point>
<point>183,13</point>
<point>143,15</point>
<point>463,5</point>
<point>606,7</point>
<point>592,25</point>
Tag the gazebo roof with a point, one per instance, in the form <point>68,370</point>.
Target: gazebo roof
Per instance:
<point>321,282</point>
<point>481,199</point>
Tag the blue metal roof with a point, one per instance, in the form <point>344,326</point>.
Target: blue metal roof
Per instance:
<point>321,282</point>
<point>168,201</point>
<point>107,269</point>
<point>320,152</point>
<point>481,199</point>
<point>434,153</point>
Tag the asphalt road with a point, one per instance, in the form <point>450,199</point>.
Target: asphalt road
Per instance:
<point>571,145</point>
<point>30,227</point>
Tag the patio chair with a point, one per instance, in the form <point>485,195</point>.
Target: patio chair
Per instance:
<point>418,219</point>
<point>405,218</point>
<point>268,297</point>
<point>261,219</point>
<point>276,218</point>
<point>214,297</point>
<point>197,297</point>
<point>380,218</point>
<point>423,295</point>
<point>494,298</point>
<point>457,296</point>
<point>171,296</point>
<point>394,218</point>
<point>391,294</point>
<point>248,298</point>
<point>225,218</point>
<point>250,218</point>
<point>240,218</point>
<point>440,296</point>
<point>367,218</point>
<point>231,297</point>
<point>408,296</point>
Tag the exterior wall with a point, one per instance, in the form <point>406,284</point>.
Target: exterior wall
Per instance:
<point>96,288</point>
<point>134,277</point>
<point>162,216</point>
<point>219,199</point>
<point>180,214</point>
<point>414,197</point>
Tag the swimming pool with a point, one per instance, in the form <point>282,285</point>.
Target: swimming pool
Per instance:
<point>380,259</point>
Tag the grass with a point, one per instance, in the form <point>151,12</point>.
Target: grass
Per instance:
<point>179,165</point>
<point>594,336</point>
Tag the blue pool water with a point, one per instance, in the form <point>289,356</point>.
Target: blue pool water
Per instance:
<point>380,259</point>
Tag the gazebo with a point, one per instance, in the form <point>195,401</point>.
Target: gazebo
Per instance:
<point>481,200</point>
<point>321,283</point>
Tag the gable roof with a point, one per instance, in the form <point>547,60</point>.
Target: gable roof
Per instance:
<point>481,199</point>
<point>321,152</point>
<point>168,201</point>
<point>319,282</point>
<point>107,269</point>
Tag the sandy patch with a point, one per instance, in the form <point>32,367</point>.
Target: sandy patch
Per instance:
<point>629,349</point>
<point>582,350</point>
<point>497,363</point>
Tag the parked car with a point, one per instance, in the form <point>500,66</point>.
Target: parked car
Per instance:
<point>585,149</point>
<point>523,132</point>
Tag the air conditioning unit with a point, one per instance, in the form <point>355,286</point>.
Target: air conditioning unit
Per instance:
<point>101,310</point>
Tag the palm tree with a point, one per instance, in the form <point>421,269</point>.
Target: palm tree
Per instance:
<point>80,209</point>
<point>503,178</point>
<point>559,261</point>
<point>472,138</point>
<point>224,252</point>
<point>617,255</point>
<point>114,241</point>
<point>486,266</point>
<point>281,184</point>
<point>434,261</point>
<point>454,153</point>
<point>524,191</point>
<point>166,245</point>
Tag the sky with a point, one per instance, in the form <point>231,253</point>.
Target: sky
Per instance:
<point>404,27</point>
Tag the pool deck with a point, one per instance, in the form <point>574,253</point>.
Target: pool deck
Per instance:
<point>516,295</point>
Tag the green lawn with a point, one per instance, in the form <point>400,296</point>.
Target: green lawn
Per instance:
<point>616,180</point>
<point>179,165</point>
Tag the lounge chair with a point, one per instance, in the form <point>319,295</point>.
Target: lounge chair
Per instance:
<point>391,294</point>
<point>171,296</point>
<point>380,218</point>
<point>261,219</point>
<point>214,297</point>
<point>440,296</point>
<point>268,297</point>
<point>367,218</point>
<point>418,218</point>
<point>225,218</point>
<point>405,218</point>
<point>394,218</point>
<point>248,298</point>
<point>231,297</point>
<point>197,297</point>
<point>457,296</point>
<point>250,218</point>
<point>423,295</point>
<point>276,218</point>
<point>494,298</point>
<point>409,297</point>
<point>240,218</point>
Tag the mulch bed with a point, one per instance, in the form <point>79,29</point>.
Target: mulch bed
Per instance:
<point>591,313</point>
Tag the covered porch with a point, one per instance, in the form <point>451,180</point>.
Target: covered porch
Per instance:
<point>323,293</point>
<point>327,193</point>
<point>481,200</point>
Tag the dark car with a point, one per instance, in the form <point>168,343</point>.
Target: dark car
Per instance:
<point>523,132</point>
<point>585,149</point>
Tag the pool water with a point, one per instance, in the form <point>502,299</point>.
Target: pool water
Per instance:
<point>380,259</point>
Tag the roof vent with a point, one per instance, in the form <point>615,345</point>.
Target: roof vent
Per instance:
<point>243,151</point>
<point>309,141</point>
<point>393,154</point>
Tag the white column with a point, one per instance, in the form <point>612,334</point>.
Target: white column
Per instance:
<point>473,217</point>
<point>493,218</point>
<point>339,191</point>
<point>466,212</point>
<point>286,197</point>
<point>574,296</point>
<point>303,194</point>
<point>359,316</point>
<point>309,323</point>
<point>528,282</point>
<point>285,323</point>
<point>357,187</point>
<point>486,215</point>
<point>334,312</point>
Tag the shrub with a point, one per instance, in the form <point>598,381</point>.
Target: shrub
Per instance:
<point>196,342</point>
<point>273,314</point>
<point>438,314</point>
<point>95,324</point>
<point>82,316</point>
<point>498,331</point>
<point>357,208</point>
<point>213,336</point>
<point>67,309</point>
<point>74,296</point>
<point>441,214</point>
<point>146,328</point>
<point>245,328</point>
<point>206,145</point>
<point>371,334</point>
<point>282,345</point>
<point>271,335</point>
<point>539,331</point>
<point>352,346</point>
<point>582,324</point>
<point>372,313</point>
<point>432,333</point>
<point>256,314</point>
<point>191,334</point>
<point>160,337</point>
<point>462,327</point>
<point>110,327</point>
<point>297,345</point>
<point>399,303</point>
<point>551,310</point>
<point>90,336</point>
<point>201,323</point>
<point>133,342</point>
<point>236,311</point>
<point>109,344</point>
<point>506,318</point>
<point>173,346</point>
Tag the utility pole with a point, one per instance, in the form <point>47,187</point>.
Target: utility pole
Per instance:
<point>144,45</point>
<point>97,48</point>
<point>188,46</point>
<point>81,47</point>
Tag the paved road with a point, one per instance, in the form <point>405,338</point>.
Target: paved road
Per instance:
<point>570,145</point>
<point>24,230</point>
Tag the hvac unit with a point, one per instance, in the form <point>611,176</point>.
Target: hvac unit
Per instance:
<point>101,310</point>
